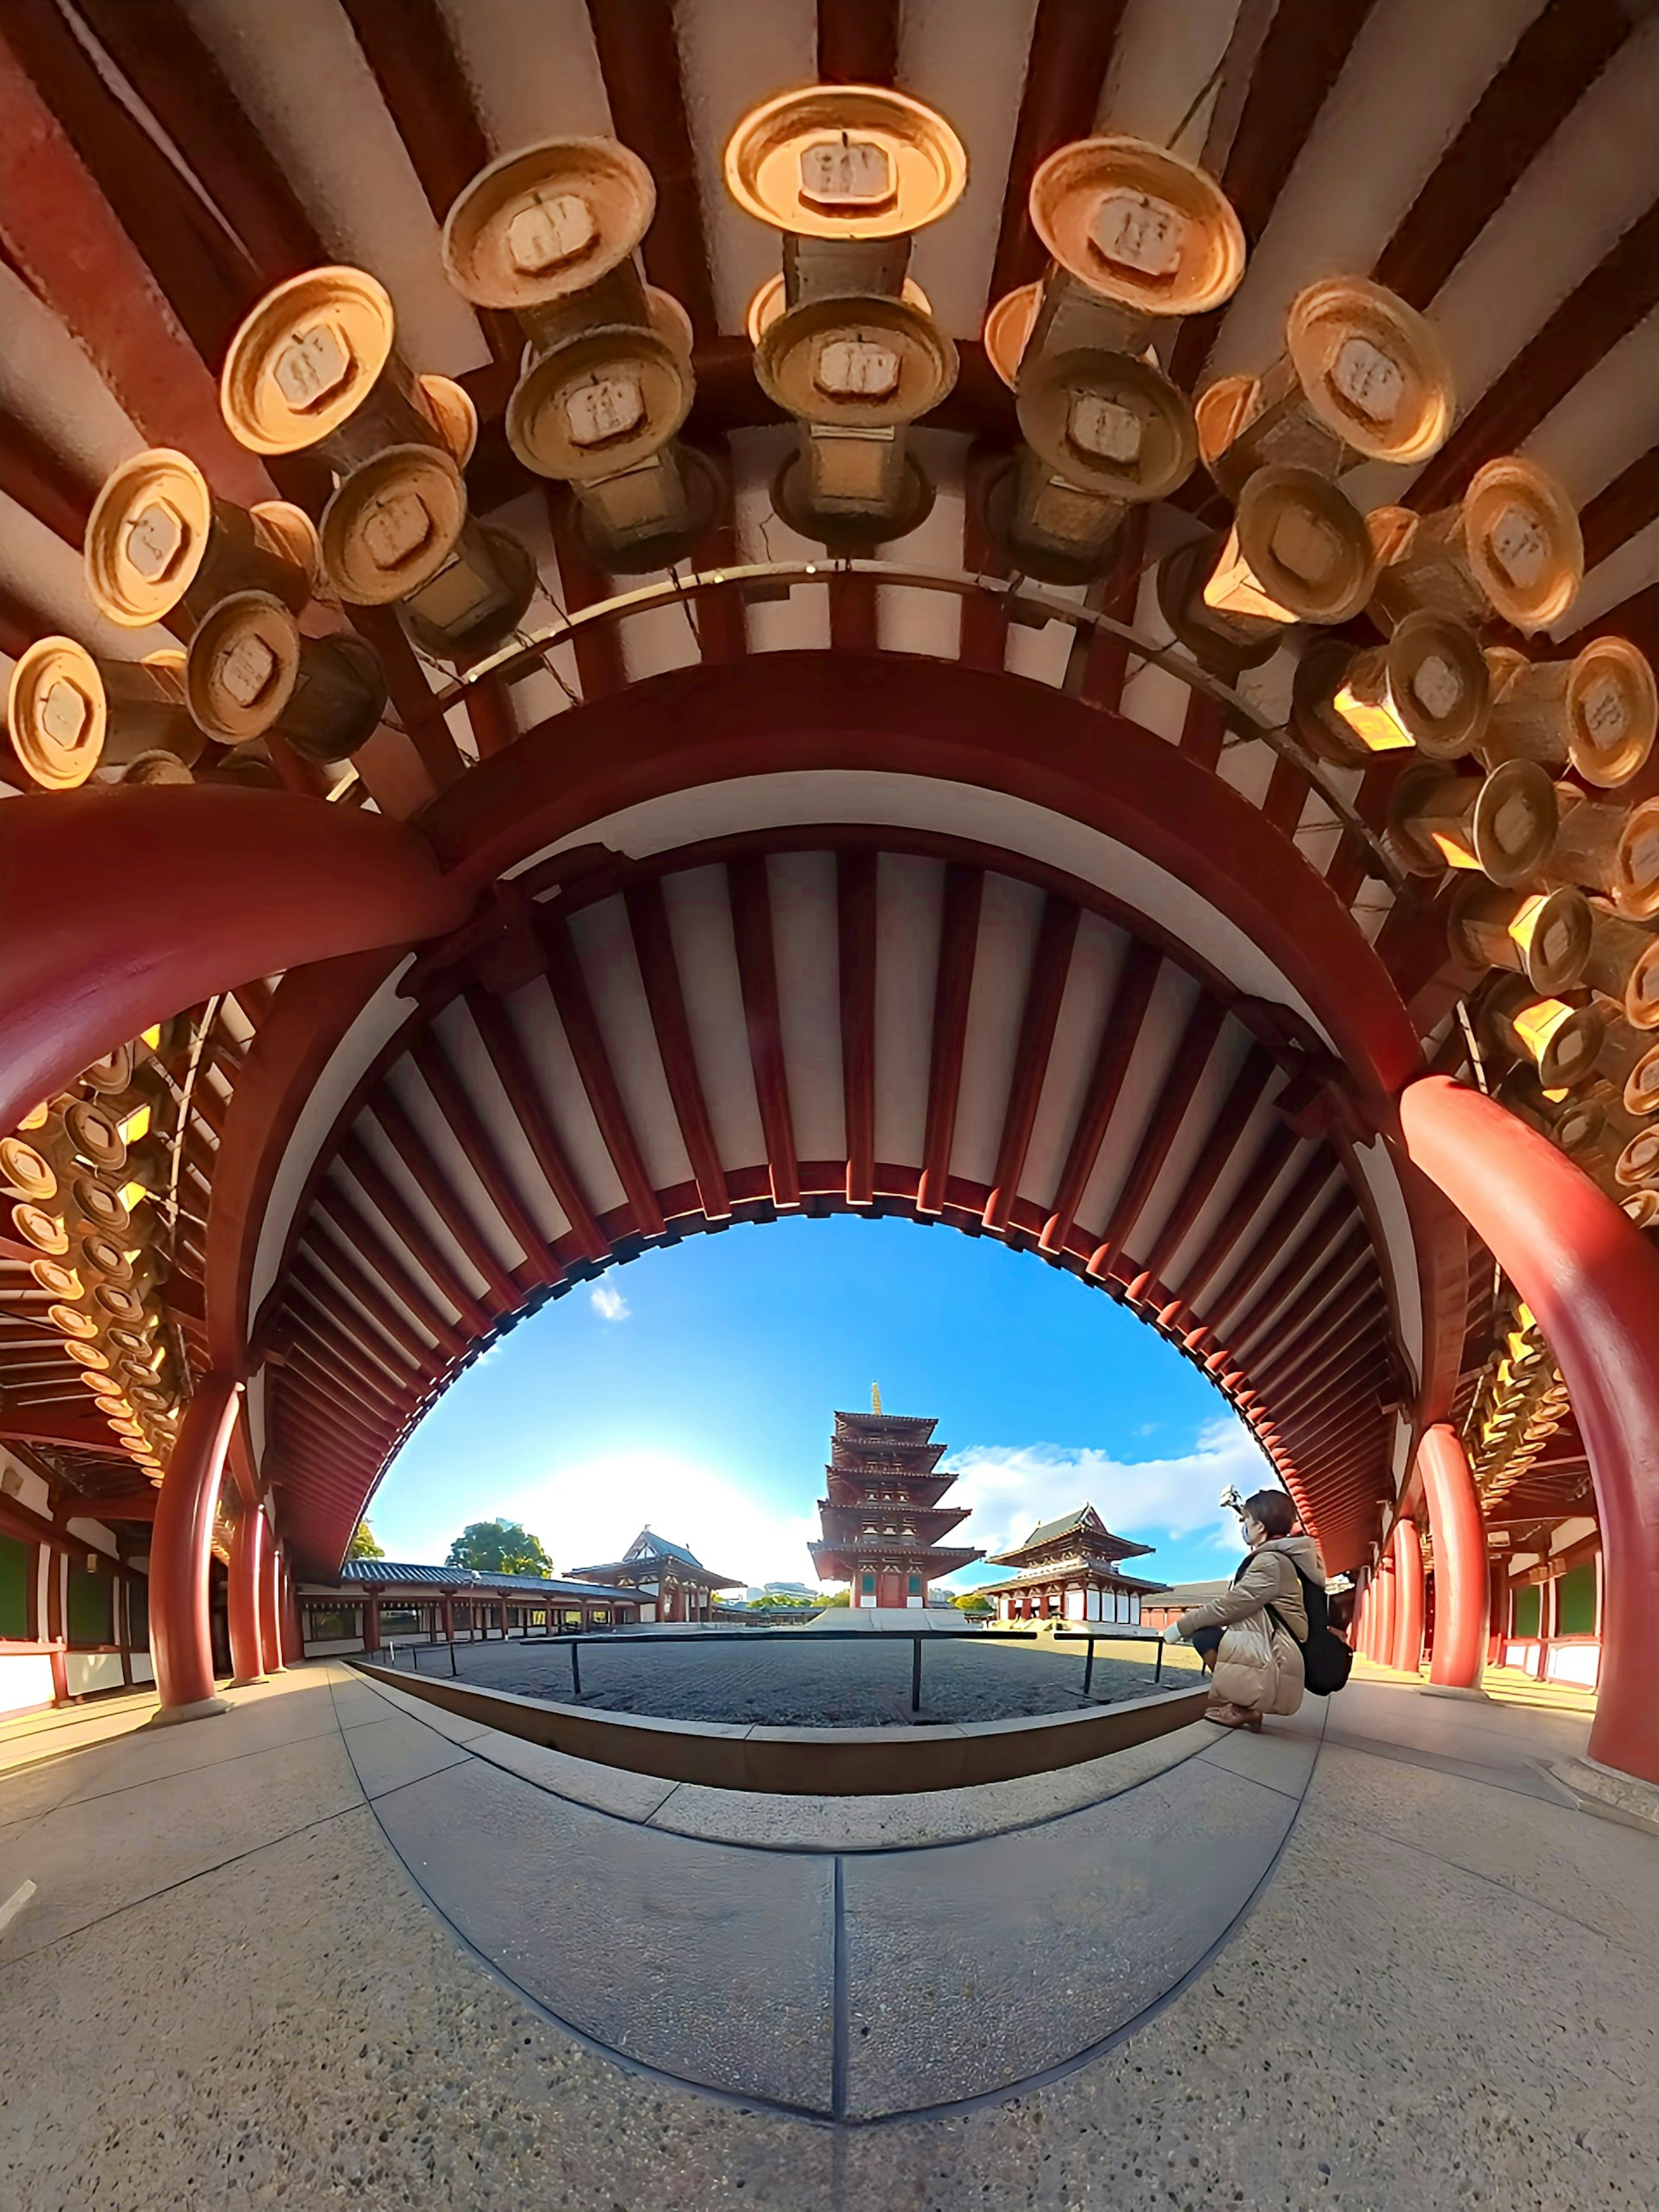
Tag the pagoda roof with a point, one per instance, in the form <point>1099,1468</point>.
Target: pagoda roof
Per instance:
<point>1083,1523</point>
<point>876,1424</point>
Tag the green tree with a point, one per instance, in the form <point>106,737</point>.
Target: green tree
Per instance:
<point>362,1545</point>
<point>499,1547</point>
<point>972,1601</point>
<point>841,1597</point>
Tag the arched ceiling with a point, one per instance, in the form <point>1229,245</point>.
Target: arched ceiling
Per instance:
<point>161,166</point>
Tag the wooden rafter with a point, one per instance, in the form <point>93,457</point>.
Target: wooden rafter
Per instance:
<point>1045,989</point>
<point>1163,1126</point>
<point>514,1072</point>
<point>856,940</point>
<point>757,976</point>
<point>586,1042</point>
<point>964,888</point>
<point>1120,1033</point>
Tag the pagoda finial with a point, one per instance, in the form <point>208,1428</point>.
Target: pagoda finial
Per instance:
<point>875,1397</point>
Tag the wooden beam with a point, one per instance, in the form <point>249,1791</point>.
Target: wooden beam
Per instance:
<point>1554,63</point>
<point>858,41</point>
<point>640,61</point>
<point>1071,50</point>
<point>440,1192</point>
<point>408,45</point>
<point>958,945</point>
<point>1050,966</point>
<point>653,949</point>
<point>583,1035</point>
<point>856,947</point>
<point>20,1425</point>
<point>1228,1129</point>
<point>322,1263</point>
<point>1267,1314</point>
<point>60,232</point>
<point>1120,1033</point>
<point>1185,1070</point>
<point>450,1096</point>
<point>598,651</point>
<point>176,75</point>
<point>1620,508</point>
<point>1300,59</point>
<point>400,1217</point>
<point>514,1072</point>
<point>41,482</point>
<point>1272,1240</point>
<point>757,976</point>
<point>1619,293</point>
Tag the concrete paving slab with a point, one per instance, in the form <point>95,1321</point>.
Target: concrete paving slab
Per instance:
<point>152,1754</point>
<point>394,1750</point>
<point>606,1789</point>
<point>973,1967</point>
<point>919,1818</point>
<point>712,1963</point>
<point>1282,1761</point>
<point>456,1726</point>
<point>97,1858</point>
<point>1560,1857</point>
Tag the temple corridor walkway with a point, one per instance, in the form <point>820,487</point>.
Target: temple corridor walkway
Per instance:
<point>224,1990</point>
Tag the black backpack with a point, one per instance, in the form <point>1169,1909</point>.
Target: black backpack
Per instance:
<point>1327,1661</point>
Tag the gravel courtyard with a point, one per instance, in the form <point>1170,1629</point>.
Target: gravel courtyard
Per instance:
<point>857,1681</point>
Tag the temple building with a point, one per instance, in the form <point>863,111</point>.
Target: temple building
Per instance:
<point>882,1520</point>
<point>375,1605</point>
<point>1069,1568</point>
<point>673,1584</point>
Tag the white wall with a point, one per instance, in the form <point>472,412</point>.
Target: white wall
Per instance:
<point>25,1680</point>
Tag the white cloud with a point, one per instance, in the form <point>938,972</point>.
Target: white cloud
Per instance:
<point>591,1512</point>
<point>610,1304</point>
<point>1012,1487</point>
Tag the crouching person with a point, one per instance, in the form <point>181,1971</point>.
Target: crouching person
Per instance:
<point>1251,1636</point>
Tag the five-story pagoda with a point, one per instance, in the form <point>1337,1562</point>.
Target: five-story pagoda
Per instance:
<point>882,1520</point>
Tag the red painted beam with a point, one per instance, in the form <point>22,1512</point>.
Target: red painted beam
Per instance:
<point>386,1338</point>
<point>1620,508</point>
<point>1300,59</point>
<point>858,41</point>
<point>450,1095</point>
<point>42,482</point>
<point>240,884</point>
<point>1555,61</point>
<point>757,976</point>
<point>958,945</point>
<point>856,892</point>
<point>516,1080</point>
<point>1162,1128</point>
<point>1619,293</point>
<point>600,668</point>
<point>18,1424</point>
<point>400,1218</point>
<point>1228,1128</point>
<point>639,60</point>
<point>1120,1032</point>
<point>582,1034</point>
<point>1071,50</point>
<point>1050,966</point>
<point>1272,1240</point>
<point>72,197</point>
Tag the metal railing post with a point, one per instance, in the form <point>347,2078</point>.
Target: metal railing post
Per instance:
<point>575,1671</point>
<point>451,1659</point>
<point>1157,1663</point>
<point>1088,1668</point>
<point>916,1674</point>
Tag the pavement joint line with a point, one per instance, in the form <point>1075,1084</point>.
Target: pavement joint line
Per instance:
<point>150,1781</point>
<point>66,1934</point>
<point>1438,1762</point>
<point>1458,1866</point>
<point>841,2054</point>
<point>15,1904</point>
<point>1296,1796</point>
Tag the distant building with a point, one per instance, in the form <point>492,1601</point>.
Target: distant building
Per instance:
<point>787,1589</point>
<point>882,1519</point>
<point>373,1604</point>
<point>1069,1568</point>
<point>1180,1597</point>
<point>673,1584</point>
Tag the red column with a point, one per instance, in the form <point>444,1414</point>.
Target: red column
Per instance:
<point>1459,1560</point>
<point>180,1550</point>
<point>1498,1616</point>
<point>293,1635</point>
<point>270,1619</point>
<point>449,1621</point>
<point>1382,1648</point>
<point>371,1624</point>
<point>1409,1597</point>
<point>1592,1278</point>
<point>248,1549</point>
<point>500,1605</point>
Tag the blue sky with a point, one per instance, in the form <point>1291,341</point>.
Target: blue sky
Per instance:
<point>694,1389</point>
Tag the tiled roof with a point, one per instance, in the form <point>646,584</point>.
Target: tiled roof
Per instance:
<point>1047,1531</point>
<point>389,1571</point>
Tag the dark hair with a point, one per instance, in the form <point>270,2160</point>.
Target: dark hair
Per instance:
<point>1274,1509</point>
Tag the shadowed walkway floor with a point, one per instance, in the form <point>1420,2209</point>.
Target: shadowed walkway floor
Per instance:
<point>224,1991</point>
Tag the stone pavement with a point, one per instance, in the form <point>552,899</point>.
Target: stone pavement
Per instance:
<point>854,1681</point>
<point>225,1992</point>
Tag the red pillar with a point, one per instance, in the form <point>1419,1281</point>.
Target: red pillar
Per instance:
<point>371,1622</point>
<point>1383,1648</point>
<point>271,1621</point>
<point>1460,1561</point>
<point>247,1550</point>
<point>1407,1597</point>
<point>1498,1612</point>
<point>449,1621</point>
<point>180,1550</point>
<point>1592,1278</point>
<point>501,1605</point>
<point>293,1635</point>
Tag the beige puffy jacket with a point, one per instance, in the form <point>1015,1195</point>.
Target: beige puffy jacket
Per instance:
<point>1243,1674</point>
